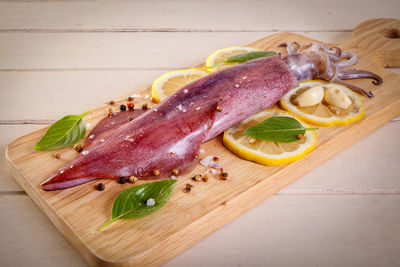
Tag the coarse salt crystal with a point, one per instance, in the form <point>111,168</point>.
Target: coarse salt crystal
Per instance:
<point>198,108</point>
<point>146,96</point>
<point>179,107</point>
<point>244,77</point>
<point>91,136</point>
<point>184,110</point>
<point>102,140</point>
<point>85,152</point>
<point>62,171</point>
<point>185,91</point>
<point>202,151</point>
<point>236,85</point>
<point>216,165</point>
<point>173,177</point>
<point>150,202</point>
<point>71,166</point>
<point>206,161</point>
<point>155,110</point>
<point>213,171</point>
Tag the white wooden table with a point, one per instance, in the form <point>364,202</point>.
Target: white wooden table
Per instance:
<point>59,58</point>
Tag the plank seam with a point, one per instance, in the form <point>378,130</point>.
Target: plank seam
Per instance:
<point>133,30</point>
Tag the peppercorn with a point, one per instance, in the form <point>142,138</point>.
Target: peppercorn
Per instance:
<point>130,105</point>
<point>101,187</point>
<point>219,108</point>
<point>156,172</point>
<point>112,102</point>
<point>153,100</point>
<point>205,178</point>
<point>122,107</point>
<point>110,112</point>
<point>145,106</point>
<point>175,172</point>
<point>132,179</point>
<point>130,118</point>
<point>197,178</point>
<point>57,155</point>
<point>78,147</point>
<point>223,176</point>
<point>122,180</point>
<point>130,98</point>
<point>299,136</point>
<point>188,188</point>
<point>171,154</point>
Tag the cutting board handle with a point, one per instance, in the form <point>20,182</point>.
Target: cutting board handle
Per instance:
<point>381,38</point>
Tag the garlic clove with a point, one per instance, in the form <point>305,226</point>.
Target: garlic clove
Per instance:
<point>310,97</point>
<point>337,97</point>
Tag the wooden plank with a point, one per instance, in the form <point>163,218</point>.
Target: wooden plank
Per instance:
<point>181,222</point>
<point>278,15</point>
<point>53,94</point>
<point>281,231</point>
<point>336,176</point>
<point>122,51</point>
<point>9,133</point>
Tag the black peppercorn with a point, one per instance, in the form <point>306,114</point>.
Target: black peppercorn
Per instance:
<point>122,180</point>
<point>122,107</point>
<point>101,187</point>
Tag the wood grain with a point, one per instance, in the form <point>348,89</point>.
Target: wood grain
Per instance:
<point>187,218</point>
<point>198,16</point>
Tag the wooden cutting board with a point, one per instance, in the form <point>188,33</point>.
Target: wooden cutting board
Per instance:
<point>189,217</point>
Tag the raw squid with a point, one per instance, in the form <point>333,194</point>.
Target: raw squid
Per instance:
<point>166,139</point>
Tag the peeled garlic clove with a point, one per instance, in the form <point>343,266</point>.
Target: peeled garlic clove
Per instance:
<point>337,97</point>
<point>310,97</point>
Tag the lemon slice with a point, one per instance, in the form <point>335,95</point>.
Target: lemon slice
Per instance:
<point>267,152</point>
<point>215,60</point>
<point>172,81</point>
<point>324,114</point>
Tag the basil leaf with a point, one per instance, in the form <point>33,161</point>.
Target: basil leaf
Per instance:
<point>240,58</point>
<point>132,202</point>
<point>278,129</point>
<point>64,132</point>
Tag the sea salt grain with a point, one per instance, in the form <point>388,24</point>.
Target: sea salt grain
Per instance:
<point>62,171</point>
<point>91,136</point>
<point>146,96</point>
<point>173,177</point>
<point>198,108</point>
<point>202,151</point>
<point>206,161</point>
<point>150,202</point>
<point>236,85</point>
<point>85,152</point>
<point>185,91</point>
<point>102,140</point>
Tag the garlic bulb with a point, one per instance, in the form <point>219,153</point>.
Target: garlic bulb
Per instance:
<point>337,97</point>
<point>310,97</point>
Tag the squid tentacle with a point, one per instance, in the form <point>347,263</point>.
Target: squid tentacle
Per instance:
<point>352,59</point>
<point>346,74</point>
<point>290,48</point>
<point>354,88</point>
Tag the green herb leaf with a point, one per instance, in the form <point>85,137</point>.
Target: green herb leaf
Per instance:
<point>64,132</point>
<point>277,129</point>
<point>240,58</point>
<point>132,202</point>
